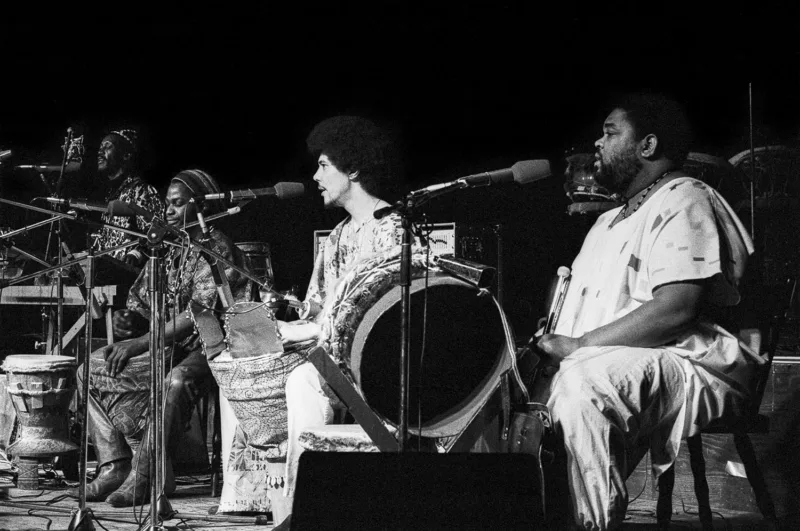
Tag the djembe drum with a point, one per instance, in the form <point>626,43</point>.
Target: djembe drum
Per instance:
<point>41,388</point>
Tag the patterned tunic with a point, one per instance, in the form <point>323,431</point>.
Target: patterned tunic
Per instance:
<point>125,397</point>
<point>346,245</point>
<point>193,280</point>
<point>131,190</point>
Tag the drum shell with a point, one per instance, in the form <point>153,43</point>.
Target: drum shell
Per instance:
<point>41,389</point>
<point>260,260</point>
<point>255,387</point>
<point>466,351</point>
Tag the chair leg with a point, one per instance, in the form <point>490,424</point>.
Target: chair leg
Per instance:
<point>698,464</point>
<point>216,449</point>
<point>666,482</point>
<point>754,475</point>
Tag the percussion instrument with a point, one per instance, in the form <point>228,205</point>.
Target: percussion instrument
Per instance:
<point>586,194</point>
<point>41,388</point>
<point>466,351</point>
<point>252,373</point>
<point>260,260</point>
<point>774,175</point>
<point>710,169</point>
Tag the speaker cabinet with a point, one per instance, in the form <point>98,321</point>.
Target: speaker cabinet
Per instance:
<point>416,491</point>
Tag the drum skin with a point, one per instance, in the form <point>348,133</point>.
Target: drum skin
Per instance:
<point>465,345</point>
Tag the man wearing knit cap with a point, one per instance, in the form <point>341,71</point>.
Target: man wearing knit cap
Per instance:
<point>119,423</point>
<point>119,160</point>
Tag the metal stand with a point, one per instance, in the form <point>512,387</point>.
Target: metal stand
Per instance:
<point>160,508</point>
<point>82,519</point>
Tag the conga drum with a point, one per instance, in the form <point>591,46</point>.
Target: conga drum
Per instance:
<point>41,388</point>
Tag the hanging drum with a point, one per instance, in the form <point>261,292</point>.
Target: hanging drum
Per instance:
<point>466,350</point>
<point>587,196</point>
<point>260,260</point>
<point>41,388</point>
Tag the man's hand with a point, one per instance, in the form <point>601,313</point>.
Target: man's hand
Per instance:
<point>298,331</point>
<point>128,324</point>
<point>118,354</point>
<point>557,347</point>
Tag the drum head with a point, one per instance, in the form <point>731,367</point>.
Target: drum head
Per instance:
<point>465,343</point>
<point>28,362</point>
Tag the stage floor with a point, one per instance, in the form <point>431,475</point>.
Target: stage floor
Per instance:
<point>192,499</point>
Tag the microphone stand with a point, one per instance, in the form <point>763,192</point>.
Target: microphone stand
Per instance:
<point>409,214</point>
<point>160,508</point>
<point>82,518</point>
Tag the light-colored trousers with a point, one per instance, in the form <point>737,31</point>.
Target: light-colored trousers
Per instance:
<point>310,402</point>
<point>611,404</point>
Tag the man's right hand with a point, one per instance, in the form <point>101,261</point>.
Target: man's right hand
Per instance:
<point>128,324</point>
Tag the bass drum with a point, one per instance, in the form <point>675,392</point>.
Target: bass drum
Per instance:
<point>467,350</point>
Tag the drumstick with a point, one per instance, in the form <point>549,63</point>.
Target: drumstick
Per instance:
<point>558,299</point>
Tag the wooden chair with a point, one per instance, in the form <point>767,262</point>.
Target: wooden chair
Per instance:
<point>740,427</point>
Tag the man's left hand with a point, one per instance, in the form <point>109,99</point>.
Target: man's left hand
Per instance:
<point>557,346</point>
<point>118,354</point>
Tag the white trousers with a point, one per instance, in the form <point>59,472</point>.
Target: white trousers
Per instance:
<point>611,404</point>
<point>310,402</point>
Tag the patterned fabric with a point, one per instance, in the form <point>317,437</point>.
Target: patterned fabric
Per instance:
<point>356,292</point>
<point>256,390</point>
<point>346,245</point>
<point>125,397</point>
<point>651,397</point>
<point>131,190</point>
<point>189,278</point>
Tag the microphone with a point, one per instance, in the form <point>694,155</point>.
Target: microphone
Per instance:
<point>125,209</point>
<point>523,172</point>
<point>71,167</point>
<point>280,190</point>
<point>80,204</point>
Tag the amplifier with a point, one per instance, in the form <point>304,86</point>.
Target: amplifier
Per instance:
<point>480,243</point>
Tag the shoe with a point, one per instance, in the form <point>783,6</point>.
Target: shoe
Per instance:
<point>135,490</point>
<point>110,477</point>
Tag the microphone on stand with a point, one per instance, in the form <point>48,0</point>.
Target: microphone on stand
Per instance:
<point>523,172</point>
<point>80,204</point>
<point>125,209</point>
<point>280,190</point>
<point>71,167</point>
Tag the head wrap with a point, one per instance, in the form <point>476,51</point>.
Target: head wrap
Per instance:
<point>130,137</point>
<point>200,183</point>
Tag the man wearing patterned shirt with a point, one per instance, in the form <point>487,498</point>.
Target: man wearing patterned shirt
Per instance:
<point>643,363</point>
<point>120,373</point>
<point>118,159</point>
<point>355,168</point>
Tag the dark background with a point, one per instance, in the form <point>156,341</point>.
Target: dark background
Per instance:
<point>465,87</point>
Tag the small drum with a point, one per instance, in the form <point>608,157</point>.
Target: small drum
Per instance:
<point>586,194</point>
<point>260,260</point>
<point>41,388</point>
<point>467,349</point>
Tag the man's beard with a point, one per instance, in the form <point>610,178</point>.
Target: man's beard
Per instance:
<point>619,172</point>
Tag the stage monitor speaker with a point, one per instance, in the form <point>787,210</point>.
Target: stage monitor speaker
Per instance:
<point>416,491</point>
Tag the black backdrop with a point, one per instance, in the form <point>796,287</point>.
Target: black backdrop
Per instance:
<point>466,87</point>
